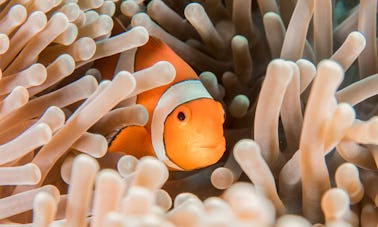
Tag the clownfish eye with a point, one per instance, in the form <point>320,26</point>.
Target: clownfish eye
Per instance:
<point>181,116</point>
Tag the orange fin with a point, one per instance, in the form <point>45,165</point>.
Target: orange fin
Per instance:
<point>131,140</point>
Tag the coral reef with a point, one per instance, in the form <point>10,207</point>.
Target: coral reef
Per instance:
<point>297,79</point>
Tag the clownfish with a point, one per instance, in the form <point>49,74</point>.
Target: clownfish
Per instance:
<point>185,126</point>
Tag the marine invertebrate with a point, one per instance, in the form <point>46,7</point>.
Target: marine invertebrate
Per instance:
<point>301,130</point>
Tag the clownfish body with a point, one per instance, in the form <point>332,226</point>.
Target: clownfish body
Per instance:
<point>185,126</point>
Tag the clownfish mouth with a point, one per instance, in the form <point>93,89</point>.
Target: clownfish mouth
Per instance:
<point>213,147</point>
<point>216,150</point>
<point>210,153</point>
<point>215,144</point>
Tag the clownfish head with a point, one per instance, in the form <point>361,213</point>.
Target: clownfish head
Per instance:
<point>193,134</point>
<point>187,127</point>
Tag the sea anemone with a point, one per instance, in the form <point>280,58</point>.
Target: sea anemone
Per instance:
<point>297,80</point>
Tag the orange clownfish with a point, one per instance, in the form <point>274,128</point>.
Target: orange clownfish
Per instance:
<point>185,126</point>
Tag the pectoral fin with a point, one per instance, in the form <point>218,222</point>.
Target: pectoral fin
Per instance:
<point>132,140</point>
